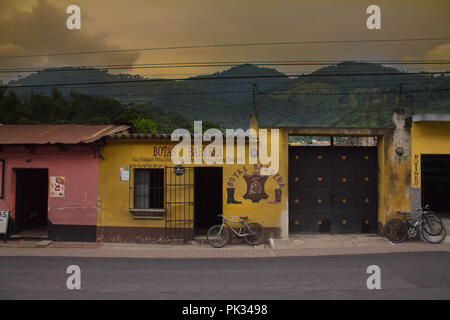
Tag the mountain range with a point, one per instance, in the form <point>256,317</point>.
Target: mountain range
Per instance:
<point>346,94</point>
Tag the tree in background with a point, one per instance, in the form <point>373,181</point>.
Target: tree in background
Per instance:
<point>80,108</point>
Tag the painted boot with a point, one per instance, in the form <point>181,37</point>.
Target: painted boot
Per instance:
<point>277,197</point>
<point>230,196</point>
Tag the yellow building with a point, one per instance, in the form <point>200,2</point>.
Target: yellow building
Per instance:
<point>338,186</point>
<point>430,163</point>
<point>144,197</point>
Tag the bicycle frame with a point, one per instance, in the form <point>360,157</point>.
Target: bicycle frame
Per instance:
<point>415,223</point>
<point>241,228</point>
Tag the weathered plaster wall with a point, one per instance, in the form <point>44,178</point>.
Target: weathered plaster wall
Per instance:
<point>394,162</point>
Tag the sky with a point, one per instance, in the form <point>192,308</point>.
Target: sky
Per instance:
<point>29,27</point>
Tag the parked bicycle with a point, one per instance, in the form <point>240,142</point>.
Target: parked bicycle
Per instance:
<point>219,234</point>
<point>426,222</point>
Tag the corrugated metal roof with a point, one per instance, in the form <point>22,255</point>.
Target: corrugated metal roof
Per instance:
<point>53,134</point>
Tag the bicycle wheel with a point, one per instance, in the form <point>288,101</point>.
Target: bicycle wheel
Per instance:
<point>432,224</point>
<point>396,230</point>
<point>257,234</point>
<point>434,239</point>
<point>218,236</point>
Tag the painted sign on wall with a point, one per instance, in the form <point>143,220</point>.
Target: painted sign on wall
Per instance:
<point>255,185</point>
<point>57,187</point>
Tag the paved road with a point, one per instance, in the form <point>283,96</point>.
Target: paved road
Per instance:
<point>403,276</point>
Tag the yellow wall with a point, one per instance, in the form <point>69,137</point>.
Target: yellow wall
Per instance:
<point>113,194</point>
<point>427,138</point>
<point>394,178</point>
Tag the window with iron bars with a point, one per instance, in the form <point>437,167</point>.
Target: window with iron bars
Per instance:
<point>148,188</point>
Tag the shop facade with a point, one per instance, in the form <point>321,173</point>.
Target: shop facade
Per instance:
<point>102,183</point>
<point>430,164</point>
<point>49,179</point>
<point>144,197</point>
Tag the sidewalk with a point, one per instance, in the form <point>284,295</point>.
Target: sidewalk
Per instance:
<point>299,245</point>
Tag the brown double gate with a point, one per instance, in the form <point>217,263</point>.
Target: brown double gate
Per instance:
<point>333,189</point>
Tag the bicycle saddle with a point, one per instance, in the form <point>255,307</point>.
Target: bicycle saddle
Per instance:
<point>244,218</point>
<point>402,212</point>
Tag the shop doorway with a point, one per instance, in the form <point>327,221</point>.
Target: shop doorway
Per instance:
<point>436,184</point>
<point>207,198</point>
<point>31,203</point>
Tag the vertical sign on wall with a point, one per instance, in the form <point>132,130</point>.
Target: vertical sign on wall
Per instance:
<point>57,187</point>
<point>2,179</point>
<point>416,172</point>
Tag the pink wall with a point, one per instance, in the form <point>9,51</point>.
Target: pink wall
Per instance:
<point>78,165</point>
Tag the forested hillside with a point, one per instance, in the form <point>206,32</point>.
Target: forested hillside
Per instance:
<point>347,94</point>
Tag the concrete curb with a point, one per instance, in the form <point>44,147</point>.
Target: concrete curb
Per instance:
<point>200,252</point>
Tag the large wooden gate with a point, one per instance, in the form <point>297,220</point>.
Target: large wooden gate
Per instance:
<point>333,189</point>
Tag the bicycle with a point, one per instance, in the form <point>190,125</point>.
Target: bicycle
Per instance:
<point>429,225</point>
<point>219,235</point>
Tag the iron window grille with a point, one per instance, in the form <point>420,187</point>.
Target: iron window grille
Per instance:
<point>147,193</point>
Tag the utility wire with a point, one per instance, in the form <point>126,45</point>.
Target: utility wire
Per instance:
<point>275,93</point>
<point>225,45</point>
<point>218,64</point>
<point>351,93</point>
<point>226,78</point>
<point>194,86</point>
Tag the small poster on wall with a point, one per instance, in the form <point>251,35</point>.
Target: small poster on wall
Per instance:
<point>124,173</point>
<point>57,187</point>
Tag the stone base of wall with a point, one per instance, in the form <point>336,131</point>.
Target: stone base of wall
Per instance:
<point>76,233</point>
<point>129,234</point>
<point>151,235</point>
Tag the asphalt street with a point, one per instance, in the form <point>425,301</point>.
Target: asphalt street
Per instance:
<point>418,275</point>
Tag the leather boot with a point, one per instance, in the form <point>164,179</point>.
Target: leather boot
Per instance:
<point>230,196</point>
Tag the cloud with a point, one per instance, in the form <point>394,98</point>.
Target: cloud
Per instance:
<point>32,26</point>
<point>41,29</point>
<point>441,52</point>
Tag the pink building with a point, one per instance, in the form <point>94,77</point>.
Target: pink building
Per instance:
<point>48,179</point>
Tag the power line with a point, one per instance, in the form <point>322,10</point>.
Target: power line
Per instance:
<point>352,93</point>
<point>269,82</point>
<point>216,64</point>
<point>273,93</point>
<point>225,45</point>
<point>227,78</point>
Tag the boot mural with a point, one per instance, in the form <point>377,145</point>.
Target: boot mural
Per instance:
<point>277,197</point>
<point>230,196</point>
